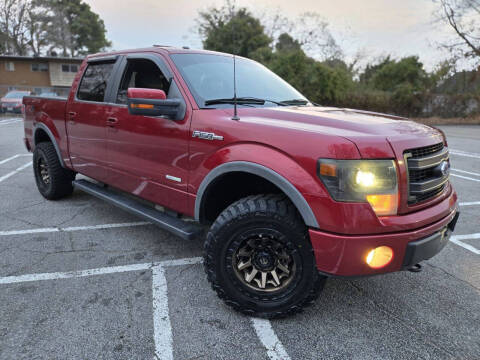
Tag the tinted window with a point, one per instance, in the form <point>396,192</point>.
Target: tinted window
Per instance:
<point>141,73</point>
<point>211,77</point>
<point>94,82</point>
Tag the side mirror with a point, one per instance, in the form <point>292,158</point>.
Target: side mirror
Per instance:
<point>153,102</point>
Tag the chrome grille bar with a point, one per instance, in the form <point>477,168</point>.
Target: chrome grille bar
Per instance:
<point>427,174</point>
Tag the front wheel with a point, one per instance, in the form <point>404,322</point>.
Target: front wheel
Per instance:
<point>259,260</point>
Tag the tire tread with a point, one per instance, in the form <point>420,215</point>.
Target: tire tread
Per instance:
<point>60,178</point>
<point>274,204</point>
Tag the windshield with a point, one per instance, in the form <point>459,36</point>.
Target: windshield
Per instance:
<point>210,77</point>
<point>16,95</point>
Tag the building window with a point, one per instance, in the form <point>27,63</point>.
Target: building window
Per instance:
<point>69,68</point>
<point>9,66</point>
<point>39,67</point>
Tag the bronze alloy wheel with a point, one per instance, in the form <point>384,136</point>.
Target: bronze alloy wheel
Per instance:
<point>263,263</point>
<point>43,170</point>
<point>53,180</point>
<point>259,259</point>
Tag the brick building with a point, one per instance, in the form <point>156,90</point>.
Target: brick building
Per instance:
<point>37,74</point>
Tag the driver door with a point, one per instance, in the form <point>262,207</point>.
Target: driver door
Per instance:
<point>148,156</point>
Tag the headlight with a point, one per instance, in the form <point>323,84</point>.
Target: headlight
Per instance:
<point>372,181</point>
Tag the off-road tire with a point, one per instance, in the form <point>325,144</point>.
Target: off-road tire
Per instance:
<point>261,212</point>
<point>60,179</point>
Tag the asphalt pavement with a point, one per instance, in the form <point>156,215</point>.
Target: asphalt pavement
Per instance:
<point>81,279</point>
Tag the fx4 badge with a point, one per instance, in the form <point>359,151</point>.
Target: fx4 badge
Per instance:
<point>206,135</point>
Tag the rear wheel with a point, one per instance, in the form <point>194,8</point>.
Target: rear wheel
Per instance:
<point>259,259</point>
<point>53,181</point>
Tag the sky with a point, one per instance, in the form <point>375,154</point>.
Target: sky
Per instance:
<point>376,27</point>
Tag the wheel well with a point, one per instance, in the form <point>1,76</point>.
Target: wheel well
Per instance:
<point>41,136</point>
<point>230,187</point>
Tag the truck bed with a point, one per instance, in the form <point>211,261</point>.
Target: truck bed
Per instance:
<point>49,111</point>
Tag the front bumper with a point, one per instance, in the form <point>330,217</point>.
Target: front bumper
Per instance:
<point>340,255</point>
<point>428,247</point>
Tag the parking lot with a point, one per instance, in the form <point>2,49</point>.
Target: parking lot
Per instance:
<point>81,279</point>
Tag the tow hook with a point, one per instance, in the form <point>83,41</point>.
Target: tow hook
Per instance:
<point>415,268</point>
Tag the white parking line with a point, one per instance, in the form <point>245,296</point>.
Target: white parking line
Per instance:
<point>464,153</point>
<point>163,338</point>
<point>6,122</point>
<point>5,177</point>
<point>10,119</point>
<point>73,228</point>
<point>466,172</point>
<point>470,203</point>
<point>465,177</point>
<point>269,339</point>
<point>13,157</point>
<point>162,328</point>
<point>97,271</point>
<point>73,274</point>
<point>457,239</point>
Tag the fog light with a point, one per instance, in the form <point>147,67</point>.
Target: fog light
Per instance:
<point>379,257</point>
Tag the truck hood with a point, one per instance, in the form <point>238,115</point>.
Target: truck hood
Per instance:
<point>374,134</point>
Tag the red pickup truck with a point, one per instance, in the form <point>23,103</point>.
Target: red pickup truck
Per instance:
<point>292,192</point>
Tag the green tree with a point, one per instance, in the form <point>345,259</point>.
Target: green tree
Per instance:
<point>286,43</point>
<point>39,26</point>
<point>232,30</point>
<point>372,69</point>
<point>39,19</point>
<point>316,80</point>
<point>390,74</point>
<point>75,29</point>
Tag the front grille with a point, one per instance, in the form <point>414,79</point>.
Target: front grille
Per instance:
<point>420,175</point>
<point>427,150</point>
<point>430,194</point>
<point>425,177</point>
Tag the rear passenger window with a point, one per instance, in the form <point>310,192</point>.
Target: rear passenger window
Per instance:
<point>94,82</point>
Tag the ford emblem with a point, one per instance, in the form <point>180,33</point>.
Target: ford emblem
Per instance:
<point>444,168</point>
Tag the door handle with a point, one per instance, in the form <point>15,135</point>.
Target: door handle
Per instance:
<point>71,116</point>
<point>112,122</point>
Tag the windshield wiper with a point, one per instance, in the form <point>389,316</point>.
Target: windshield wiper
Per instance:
<point>295,102</point>
<point>243,100</point>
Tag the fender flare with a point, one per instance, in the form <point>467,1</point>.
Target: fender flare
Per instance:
<point>45,128</point>
<point>244,166</point>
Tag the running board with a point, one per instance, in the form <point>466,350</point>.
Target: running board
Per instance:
<point>167,222</point>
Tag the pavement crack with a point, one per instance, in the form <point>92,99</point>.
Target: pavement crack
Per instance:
<point>22,220</point>
<point>78,213</point>
<point>392,314</point>
<point>23,207</point>
<point>453,276</point>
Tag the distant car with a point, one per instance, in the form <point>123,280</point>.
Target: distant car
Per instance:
<point>49,94</point>
<point>12,102</point>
